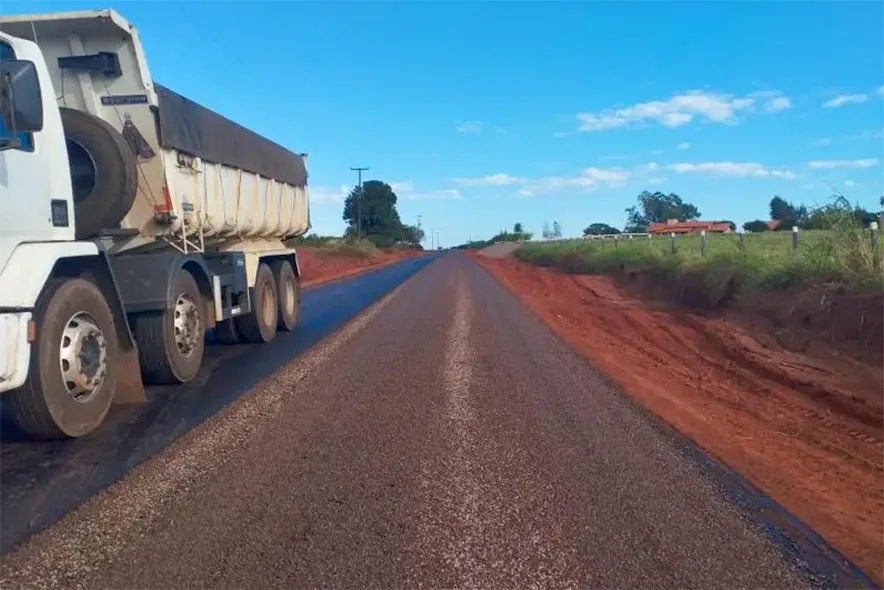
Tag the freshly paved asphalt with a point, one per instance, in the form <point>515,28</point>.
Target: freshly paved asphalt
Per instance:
<point>443,438</point>
<point>40,482</point>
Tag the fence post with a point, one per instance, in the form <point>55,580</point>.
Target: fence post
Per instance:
<point>672,242</point>
<point>703,244</point>
<point>742,243</point>
<point>795,239</point>
<point>874,228</point>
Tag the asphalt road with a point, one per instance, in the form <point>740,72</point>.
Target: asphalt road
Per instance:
<point>443,438</point>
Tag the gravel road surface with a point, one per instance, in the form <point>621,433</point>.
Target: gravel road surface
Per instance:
<point>444,438</point>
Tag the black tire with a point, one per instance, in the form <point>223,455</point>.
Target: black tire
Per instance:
<point>104,172</point>
<point>43,407</point>
<point>259,326</point>
<point>226,332</point>
<point>288,295</point>
<point>162,361</point>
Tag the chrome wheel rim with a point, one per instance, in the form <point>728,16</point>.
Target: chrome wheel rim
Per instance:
<point>187,325</point>
<point>83,357</point>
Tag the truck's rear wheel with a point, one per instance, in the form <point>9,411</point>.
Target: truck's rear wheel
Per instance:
<point>171,342</point>
<point>72,377</point>
<point>260,325</point>
<point>288,291</point>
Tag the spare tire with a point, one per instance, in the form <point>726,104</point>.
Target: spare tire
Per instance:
<point>104,172</point>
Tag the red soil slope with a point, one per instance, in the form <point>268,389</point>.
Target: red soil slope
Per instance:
<point>806,427</point>
<point>321,266</point>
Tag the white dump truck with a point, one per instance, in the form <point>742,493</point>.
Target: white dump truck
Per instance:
<point>131,221</point>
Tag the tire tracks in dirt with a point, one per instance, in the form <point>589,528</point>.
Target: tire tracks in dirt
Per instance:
<point>736,396</point>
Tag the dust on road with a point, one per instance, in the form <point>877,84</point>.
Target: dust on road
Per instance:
<point>445,438</point>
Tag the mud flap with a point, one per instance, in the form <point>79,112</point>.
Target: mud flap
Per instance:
<point>130,389</point>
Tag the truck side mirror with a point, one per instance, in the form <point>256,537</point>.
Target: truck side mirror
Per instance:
<point>21,104</point>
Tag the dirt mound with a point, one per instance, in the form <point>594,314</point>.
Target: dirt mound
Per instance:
<point>804,423</point>
<point>802,320</point>
<point>320,266</point>
<point>501,250</point>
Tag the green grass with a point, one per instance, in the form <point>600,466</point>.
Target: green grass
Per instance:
<point>767,260</point>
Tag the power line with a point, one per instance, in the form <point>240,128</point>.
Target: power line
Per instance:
<point>359,202</point>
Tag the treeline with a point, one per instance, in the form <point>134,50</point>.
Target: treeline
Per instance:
<point>784,215</point>
<point>517,235</point>
<point>657,207</point>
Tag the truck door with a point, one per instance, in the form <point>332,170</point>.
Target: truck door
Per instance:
<point>34,176</point>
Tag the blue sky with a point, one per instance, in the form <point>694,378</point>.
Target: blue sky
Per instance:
<point>486,114</point>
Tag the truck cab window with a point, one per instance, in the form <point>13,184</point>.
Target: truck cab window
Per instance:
<point>26,139</point>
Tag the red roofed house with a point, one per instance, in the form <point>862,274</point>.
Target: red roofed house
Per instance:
<point>674,226</point>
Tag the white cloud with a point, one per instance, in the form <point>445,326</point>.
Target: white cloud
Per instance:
<point>498,179</point>
<point>780,103</point>
<point>588,179</point>
<point>880,90</point>
<point>655,180</point>
<point>843,99</point>
<point>325,194</point>
<point>684,146</point>
<point>404,186</point>
<point>731,169</point>
<point>614,158</point>
<point>675,111</point>
<point>655,152</point>
<point>652,166</point>
<point>849,183</point>
<point>563,133</point>
<point>448,193</point>
<point>831,164</point>
<point>824,141</point>
<point>469,127</point>
<point>869,134</point>
<point>610,177</point>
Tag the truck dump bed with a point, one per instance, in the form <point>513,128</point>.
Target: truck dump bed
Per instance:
<point>202,179</point>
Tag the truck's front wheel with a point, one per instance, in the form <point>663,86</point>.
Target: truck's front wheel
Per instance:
<point>71,379</point>
<point>171,342</point>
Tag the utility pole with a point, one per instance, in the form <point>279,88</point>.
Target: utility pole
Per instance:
<point>359,203</point>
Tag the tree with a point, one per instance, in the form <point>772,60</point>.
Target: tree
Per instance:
<point>755,226</point>
<point>787,214</point>
<point>517,229</point>
<point>411,235</point>
<point>600,229</point>
<point>557,230</point>
<point>376,213</point>
<point>657,207</point>
<point>780,209</point>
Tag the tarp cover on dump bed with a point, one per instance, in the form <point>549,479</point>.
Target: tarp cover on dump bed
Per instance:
<point>184,125</point>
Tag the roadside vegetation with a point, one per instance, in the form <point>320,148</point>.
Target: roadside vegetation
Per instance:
<point>836,248</point>
<point>517,235</point>
<point>373,226</point>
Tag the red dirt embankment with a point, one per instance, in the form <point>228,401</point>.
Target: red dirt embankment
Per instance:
<point>321,266</point>
<point>806,427</point>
